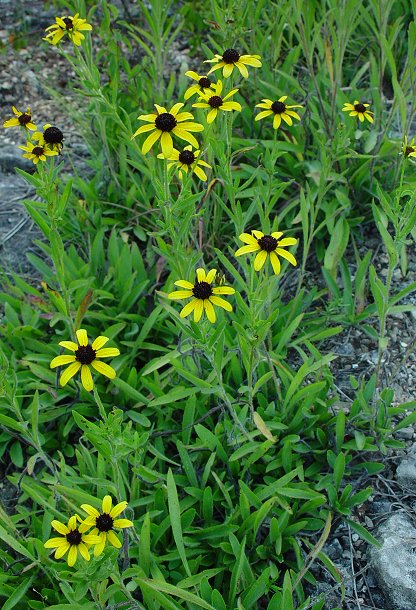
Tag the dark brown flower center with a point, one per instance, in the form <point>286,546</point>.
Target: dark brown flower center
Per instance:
<point>85,354</point>
<point>24,118</point>
<point>268,243</point>
<point>278,107</point>
<point>215,101</point>
<point>53,135</point>
<point>68,23</point>
<point>186,157</point>
<point>74,537</point>
<point>38,151</point>
<point>204,82</point>
<point>104,523</point>
<point>165,121</point>
<point>359,108</point>
<point>230,56</point>
<point>202,290</point>
<point>409,150</point>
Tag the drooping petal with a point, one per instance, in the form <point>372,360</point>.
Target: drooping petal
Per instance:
<point>72,555</point>
<point>86,377</point>
<point>166,144</point>
<point>150,140</point>
<point>99,342</point>
<point>274,259</point>
<point>54,543</point>
<point>263,114</point>
<point>60,360</point>
<point>228,70</point>
<point>112,538</point>
<point>209,310</point>
<point>198,310</point>
<point>150,118</point>
<point>287,241</point>
<point>287,255</point>
<point>243,70</point>
<point>228,106</point>
<point>221,303</point>
<point>276,121</point>
<point>69,373</point>
<point>142,129</point>
<point>211,116</point>
<point>60,552</point>
<point>104,369</point>
<point>250,60</point>
<point>122,523</point>
<point>247,249</point>
<point>82,337</point>
<point>189,307</point>
<point>200,173</point>
<point>87,524</point>
<point>287,119</point>
<point>260,260</point>
<point>184,135</point>
<point>180,294</point>
<point>84,551</point>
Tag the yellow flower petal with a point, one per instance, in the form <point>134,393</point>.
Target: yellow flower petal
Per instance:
<point>99,342</point>
<point>274,259</point>
<point>54,543</point>
<point>60,552</point>
<point>122,523</point>
<point>200,274</point>
<point>104,369</point>
<point>287,255</point>
<point>260,260</point>
<point>228,70</point>
<point>84,551</point>
<point>211,116</point>
<point>86,377</point>
<point>72,555</point>
<point>184,284</point>
<point>287,241</point>
<point>241,67</point>
<point>248,239</point>
<point>189,307</point>
<point>90,510</point>
<point>112,538</point>
<point>276,121</point>
<point>209,310</point>
<point>82,337</point>
<point>247,249</point>
<point>166,144</point>
<point>223,290</point>
<point>60,360</point>
<point>107,504</point>
<point>69,373</point>
<point>198,310</point>
<point>108,352</point>
<point>118,509</point>
<point>221,303</point>
<point>69,345</point>
<point>210,276</point>
<point>150,140</point>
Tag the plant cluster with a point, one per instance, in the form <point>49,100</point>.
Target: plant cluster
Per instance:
<point>221,434</point>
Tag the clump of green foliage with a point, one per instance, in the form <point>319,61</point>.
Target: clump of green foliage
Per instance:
<point>228,440</point>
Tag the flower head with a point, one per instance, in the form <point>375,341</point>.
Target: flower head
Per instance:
<point>73,539</point>
<point>280,111</point>
<point>187,160</point>
<point>84,356</point>
<point>20,119</point>
<point>163,124</point>
<point>232,58</point>
<point>267,245</point>
<point>215,102</point>
<point>37,152</point>
<point>52,136</point>
<point>204,296</point>
<point>72,26</point>
<point>359,110</point>
<point>409,148</point>
<point>203,83</point>
<point>105,522</point>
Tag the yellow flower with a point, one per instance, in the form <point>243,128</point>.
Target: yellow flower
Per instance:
<point>360,110</point>
<point>267,245</point>
<point>67,25</point>
<point>21,119</point>
<point>52,136</point>
<point>214,101</point>
<point>409,148</point>
<point>231,58</point>
<point>37,152</point>
<point>85,355</point>
<point>187,160</point>
<point>73,540</point>
<point>280,111</point>
<point>163,123</point>
<point>204,295</point>
<point>105,522</point>
<point>203,82</point>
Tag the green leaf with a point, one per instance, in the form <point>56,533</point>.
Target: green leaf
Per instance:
<point>164,587</point>
<point>175,519</point>
<point>18,593</point>
<point>363,533</point>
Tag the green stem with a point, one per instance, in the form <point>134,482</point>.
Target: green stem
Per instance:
<point>100,405</point>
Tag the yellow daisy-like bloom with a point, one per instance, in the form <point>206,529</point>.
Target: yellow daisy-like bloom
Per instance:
<point>409,148</point>
<point>73,540</point>
<point>359,110</point>
<point>163,124</point>
<point>21,119</point>
<point>214,101</point>
<point>52,136</point>
<point>204,295</point>
<point>187,160</point>
<point>280,111</point>
<point>37,152</point>
<point>85,355</point>
<point>73,26</point>
<point>231,59</point>
<point>203,83</point>
<point>267,245</point>
<point>105,522</point>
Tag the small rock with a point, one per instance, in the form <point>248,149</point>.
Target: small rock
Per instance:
<point>406,433</point>
<point>395,562</point>
<point>406,472</point>
<point>355,537</point>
